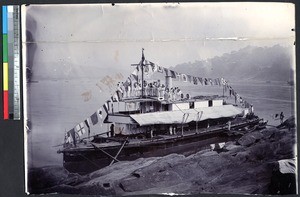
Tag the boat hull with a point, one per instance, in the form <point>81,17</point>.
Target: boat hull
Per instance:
<point>87,160</point>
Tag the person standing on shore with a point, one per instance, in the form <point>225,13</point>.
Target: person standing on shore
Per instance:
<point>251,109</point>
<point>281,117</point>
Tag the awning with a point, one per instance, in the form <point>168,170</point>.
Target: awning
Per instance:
<point>177,117</point>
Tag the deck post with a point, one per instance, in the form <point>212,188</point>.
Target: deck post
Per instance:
<point>197,122</point>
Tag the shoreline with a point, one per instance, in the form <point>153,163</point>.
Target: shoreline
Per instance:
<point>244,166</point>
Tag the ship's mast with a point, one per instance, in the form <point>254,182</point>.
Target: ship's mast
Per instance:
<point>142,67</point>
<point>142,64</point>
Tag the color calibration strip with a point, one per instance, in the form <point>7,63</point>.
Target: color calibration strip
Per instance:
<point>5,61</point>
<point>11,61</point>
<point>16,48</point>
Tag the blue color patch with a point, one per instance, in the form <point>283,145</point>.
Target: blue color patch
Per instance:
<point>4,20</point>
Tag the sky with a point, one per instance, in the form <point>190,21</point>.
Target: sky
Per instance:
<point>106,36</point>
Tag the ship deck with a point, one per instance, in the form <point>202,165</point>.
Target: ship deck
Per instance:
<point>157,139</point>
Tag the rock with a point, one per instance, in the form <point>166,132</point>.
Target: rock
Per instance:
<point>46,177</point>
<point>289,123</point>
<point>242,157</point>
<point>247,140</point>
<point>257,135</point>
<point>233,148</point>
<point>269,132</point>
<point>250,138</point>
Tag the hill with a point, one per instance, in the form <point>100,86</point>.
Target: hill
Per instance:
<point>256,63</point>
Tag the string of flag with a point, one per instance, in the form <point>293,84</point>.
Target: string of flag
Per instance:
<point>149,69</point>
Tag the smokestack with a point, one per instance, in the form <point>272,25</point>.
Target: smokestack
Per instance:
<point>168,82</point>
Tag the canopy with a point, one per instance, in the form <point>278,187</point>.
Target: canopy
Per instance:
<point>186,116</point>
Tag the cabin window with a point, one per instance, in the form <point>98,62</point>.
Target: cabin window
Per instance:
<point>210,103</point>
<point>192,105</point>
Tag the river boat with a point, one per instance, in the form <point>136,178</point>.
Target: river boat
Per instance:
<point>149,124</point>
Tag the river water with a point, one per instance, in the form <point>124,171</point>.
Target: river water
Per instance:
<point>56,106</point>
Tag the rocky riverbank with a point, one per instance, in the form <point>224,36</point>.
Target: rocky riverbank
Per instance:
<point>241,167</point>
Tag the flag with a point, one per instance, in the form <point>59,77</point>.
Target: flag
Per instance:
<point>100,113</point>
<point>105,107</point>
<point>153,66</point>
<point>160,69</point>
<point>119,95</point>
<point>173,75</point>
<point>205,81</point>
<point>134,74</point>
<point>86,121</point>
<point>112,99</point>
<point>138,66</point>
<point>72,133</point>
<point>178,75</point>
<point>80,129</point>
<point>195,80</point>
<point>94,118</point>
<point>189,77</point>
<point>146,69</point>
<point>129,81</point>
<point>219,81</point>
<point>223,81</point>
<point>184,77</point>
<point>166,71</point>
<point>107,102</point>
<point>116,97</point>
<point>201,81</point>
<point>216,81</point>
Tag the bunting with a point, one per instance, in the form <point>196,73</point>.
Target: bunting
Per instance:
<point>94,118</point>
<point>86,121</point>
<point>205,81</point>
<point>153,66</point>
<point>166,71</point>
<point>100,113</point>
<point>189,78</point>
<point>160,69</point>
<point>80,129</point>
<point>184,77</point>
<point>178,75</point>
<point>105,107</point>
<point>200,80</point>
<point>173,75</point>
<point>195,80</point>
<point>146,69</point>
<point>72,133</point>
<point>149,68</point>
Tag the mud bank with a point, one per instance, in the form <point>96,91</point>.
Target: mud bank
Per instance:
<point>242,167</point>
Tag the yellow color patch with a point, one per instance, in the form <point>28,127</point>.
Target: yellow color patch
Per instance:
<point>5,76</point>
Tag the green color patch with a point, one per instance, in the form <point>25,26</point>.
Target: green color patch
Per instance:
<point>5,48</point>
